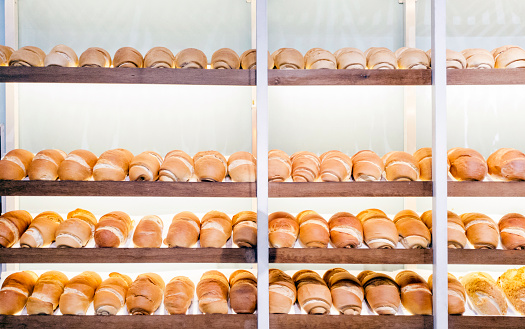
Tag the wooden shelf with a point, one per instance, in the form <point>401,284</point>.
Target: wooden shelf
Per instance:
<point>485,322</point>
<point>485,256</point>
<point>486,189</point>
<point>486,77</point>
<point>128,255</point>
<point>302,321</point>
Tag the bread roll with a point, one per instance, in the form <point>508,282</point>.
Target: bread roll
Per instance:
<point>148,233</point>
<point>379,231</point>
<point>144,295</point>
<point>279,166</point>
<point>367,166</point>
<point>478,58</point>
<point>305,166</point>
<point>507,164</point>
<point>216,229</point>
<point>283,230</point>
<point>485,296</point>
<point>245,229</point>
<point>243,292</point>
<point>184,230</point>
<point>481,230</point>
<point>46,294</point>
<point>159,57</point>
<point>288,59</point>
<point>113,229</point>
<point>416,295</point>
<point>27,56</point>
<point>177,167</point>
<point>313,294</point>
<point>95,57</point>
<point>413,233</point>
<point>423,157</point>
<point>78,165</point>
<point>282,292</point>
<point>225,58</point>
<point>42,231</point>
<point>346,290</point>
<point>78,293</point>
<point>110,296</point>
<point>456,235</point>
<point>400,166</point>
<point>5,53</point>
<point>412,58</point>
<point>76,230</point>
<point>350,58</point>
<point>178,295</point>
<point>456,295</point>
<point>242,167</point>
<point>512,282</point>
<point>191,58</point>
<point>16,288</point>
<point>249,60</point>
<point>128,57</point>
<point>113,165</point>
<point>380,58</point>
<point>512,231</point>
<point>45,165</point>
<point>335,166</point>
<point>318,58</point>
<point>12,225</point>
<point>313,229</point>
<point>507,57</point>
<point>210,166</point>
<point>381,292</point>
<point>212,292</point>
<point>467,164</point>
<point>346,231</point>
<point>14,165</point>
<point>145,166</point>
<point>455,60</point>
<point>61,56</point>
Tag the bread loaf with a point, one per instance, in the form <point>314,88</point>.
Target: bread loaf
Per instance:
<point>379,231</point>
<point>5,53</point>
<point>12,225</point>
<point>225,58</point>
<point>467,164</point>
<point>242,167</point>
<point>305,166</point>
<point>313,229</point>
<point>400,166</point>
<point>249,60</point>
<point>113,165</point>
<point>45,165</point>
<point>485,296</point>
<point>456,235</point>
<point>367,166</point>
<point>380,58</point>
<point>159,57</point>
<point>61,56</point>
<point>191,58</point>
<point>455,60</point>
<point>283,229</point>
<point>16,288</point>
<point>318,58</point>
<point>145,166</point>
<point>506,57</point>
<point>381,292</point>
<point>212,292</point>
<point>243,292</point>
<point>416,295</point>
<point>478,58</point>
<point>481,230</point>
<point>27,56</point>
<point>245,229</point>
<point>95,57</point>
<point>148,233</point>
<point>512,231</point>
<point>456,295</point>
<point>413,233</point>
<point>335,166</point>
<point>110,296</point>
<point>216,229</point>
<point>78,293</point>
<point>279,166</point>
<point>423,157</point>
<point>507,164</point>
<point>288,59</point>
<point>14,165</point>
<point>178,295</point>
<point>412,58</point>
<point>350,58</point>
<point>128,57</point>
<point>184,230</point>
<point>512,282</point>
<point>46,294</point>
<point>346,290</point>
<point>210,166</point>
<point>282,292</point>
<point>144,295</point>
<point>113,229</point>
<point>313,294</point>
<point>41,231</point>
<point>76,230</point>
<point>177,167</point>
<point>78,165</point>
<point>346,231</point>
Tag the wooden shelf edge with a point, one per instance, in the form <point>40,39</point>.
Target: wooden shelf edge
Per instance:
<point>485,322</point>
<point>493,257</point>
<point>486,189</point>
<point>486,77</point>
<point>301,321</point>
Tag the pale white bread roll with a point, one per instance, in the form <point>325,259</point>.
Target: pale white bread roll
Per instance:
<point>14,165</point>
<point>318,58</point>
<point>5,53</point>
<point>113,229</point>
<point>313,229</point>
<point>512,282</point>
<point>16,288</point>
<point>145,166</point>
<point>46,294</point>
<point>212,293</point>
<point>367,166</point>
<point>144,295</point>
<point>176,167</point>
<point>457,238</point>
<point>379,231</point>
<point>412,58</point>
<point>249,60</point>
<point>27,56</point>
<point>110,296</point>
<point>282,292</point>
<point>467,164</point>
<point>306,166</point>
<point>242,167</point>
<point>78,293</point>
<point>179,295</point>
<point>288,59</point>
<point>507,164</point>
<point>481,230</point>
<point>423,157</point>
<point>95,57</point>
<point>113,165</point>
<point>416,295</point>
<point>455,60</point>
<point>216,229</point>
<point>283,230</point>
<point>128,57</point>
<point>279,166</point>
<point>42,231</point>
<point>484,294</point>
<point>512,231</point>
<point>45,165</point>
<point>335,166</point>
<point>12,225</point>
<point>350,58</point>
<point>210,166</point>
<point>381,292</point>
<point>456,294</point>
<point>380,58</point>
<point>313,294</point>
<point>76,230</point>
<point>346,231</point>
<point>225,58</point>
<point>478,58</point>
<point>184,230</point>
<point>245,229</point>
<point>191,58</point>
<point>78,165</point>
<point>400,166</point>
<point>61,55</point>
<point>507,57</point>
<point>413,233</point>
<point>346,290</point>
<point>243,292</point>
<point>148,233</point>
<point>159,57</point>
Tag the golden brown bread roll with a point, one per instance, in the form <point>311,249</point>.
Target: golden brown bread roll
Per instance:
<point>46,294</point>
<point>288,59</point>
<point>177,167</point>
<point>27,56</point>
<point>144,295</point>
<point>191,58</point>
<point>478,58</point>
<point>456,235</point>
<point>78,165</point>
<point>243,292</point>
<point>379,231</point>
<point>400,166</point>
<point>12,225</point>
<point>346,290</point>
<point>412,58</point>
<point>485,296</point>
<point>210,166</point>
<point>413,233</point>
<point>279,166</point>
<point>76,230</point>
<point>159,57</point>
<point>512,282</point>
<point>305,166</point>
<point>110,296</point>
<point>16,288</point>
<point>225,58</point>
<point>318,58</point>
<point>148,233</point>
<point>45,165</point>
<point>381,292</point>
<point>507,164</point>
<point>216,229</point>
<point>282,292</point>
<point>128,57</point>
<point>380,58</point>
<point>42,231</point>
<point>14,165</point>
<point>95,57</point>
<point>184,230</point>
<point>416,295</point>
<point>313,294</point>
<point>346,231</point>
<point>335,166</point>
<point>78,293</point>
<point>5,53</point>
<point>249,60</point>
<point>423,157</point>
<point>367,166</point>
<point>113,165</point>
<point>212,292</point>
<point>283,229</point>
<point>507,57</point>
<point>481,230</point>
<point>113,229</point>
<point>61,55</point>
<point>178,295</point>
<point>467,164</point>
<point>350,58</point>
<point>242,167</point>
<point>512,231</point>
<point>313,229</point>
<point>245,229</point>
<point>456,294</point>
<point>145,166</point>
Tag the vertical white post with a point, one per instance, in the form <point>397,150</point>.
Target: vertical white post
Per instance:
<point>253,21</point>
<point>439,165</point>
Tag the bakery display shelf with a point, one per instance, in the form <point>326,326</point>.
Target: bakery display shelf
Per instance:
<point>486,189</point>
<point>350,256</point>
<point>486,77</point>
<point>485,322</point>
<point>127,75</point>
<point>128,255</point>
<point>127,188</point>
<point>303,321</point>
<point>486,256</point>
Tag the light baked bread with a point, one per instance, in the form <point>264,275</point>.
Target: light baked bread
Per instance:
<point>335,166</point>
<point>78,165</point>
<point>507,164</point>
<point>318,58</point>
<point>467,164</point>
<point>78,293</point>
<point>288,59</point>
<point>178,295</point>
<point>485,296</point>
<point>249,60</point>
<point>216,229</point>
<point>14,165</point>
<point>381,292</point>
<point>346,290</point>
<point>113,229</point>
<point>191,58</point>
<point>313,294</point>
<point>225,58</point>
<point>245,229</point>
<point>110,296</point>
<point>27,56</point>
<point>46,294</point>
<point>12,225</point>
<point>380,58</point>
<point>128,57</point>
<point>379,231</point>
<point>478,58</point>
<point>455,60</point>
<point>282,292</point>
<point>243,292</point>
<point>346,231</point>
<point>413,233</point>
<point>184,230</point>
<point>210,166</point>
<point>423,157</point>
<point>456,295</point>
<point>144,295</point>
<point>350,58</point>
<point>242,167</point>
<point>76,230</point>
<point>148,232</point>
<point>177,167</point>
<point>159,57</point>
<point>507,57</point>
<point>367,166</point>
<point>16,288</point>
<point>456,235</point>
<point>416,295</point>
<point>113,165</point>
<point>145,166</point>
<point>512,282</point>
<point>45,165</point>
<point>283,230</point>
<point>279,166</point>
<point>400,166</point>
<point>41,231</point>
<point>306,166</point>
<point>61,55</point>
<point>313,229</point>
<point>212,292</point>
<point>95,57</point>
<point>5,53</point>
<point>412,58</point>
<point>481,230</point>
<point>512,231</point>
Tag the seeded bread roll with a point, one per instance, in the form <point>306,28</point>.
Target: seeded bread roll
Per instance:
<point>400,166</point>
<point>416,295</point>
<point>478,58</point>
<point>346,290</point>
<point>456,235</point>
<point>145,166</point>
<point>423,157</point>
<point>95,57</point>
<point>46,294</point>
<point>212,292</point>
<point>113,229</point>
<point>346,231</point>
<point>191,58</point>
<point>128,57</point>
<point>288,59</point>
<point>512,282</point>
<point>177,167</point>
<point>313,294</point>
<point>456,295</point>
<point>210,166</point>
<point>380,58</point>
<point>144,295</point>
<point>367,166</point>
<point>113,165</point>
<point>45,165</point>
<point>412,58</point>
<point>178,295</point>
<point>61,56</point>
<point>467,164</point>
<point>16,288</point>
<point>335,166</point>
<point>148,233</point>
<point>225,58</point>
<point>78,293</point>
<point>481,230</point>
<point>245,229</point>
<point>313,229</point>
<point>279,166</point>
<point>78,165</point>
<point>413,233</point>
<point>159,57</point>
<point>76,230</point>
<point>42,231</point>
<point>27,56</point>
<point>14,165</point>
<point>379,231</point>
<point>249,60</point>
<point>512,231</point>
<point>381,292</point>
<point>5,53</point>
<point>507,57</point>
<point>184,230</point>
<point>305,166</point>
<point>110,296</point>
<point>243,292</point>
<point>485,296</point>
<point>216,229</point>
<point>318,58</point>
<point>282,292</point>
<point>350,58</point>
<point>12,225</point>
<point>242,167</point>
<point>507,164</point>
<point>283,230</point>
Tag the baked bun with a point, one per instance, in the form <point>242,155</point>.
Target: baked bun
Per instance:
<point>148,233</point>
<point>113,229</point>
<point>288,59</point>
<point>113,165</point>
<point>455,60</point>
<point>42,231</point>
<point>412,58</point>
<point>243,292</point>
<point>346,231</point>
<point>467,164</point>
<point>212,292</point>
<point>283,230</point>
<point>335,166</point>
<point>128,57</point>
<point>507,164</point>
<point>381,292</point>
<point>242,167</point>
<point>478,58</point>
<point>282,292</point>
<point>159,57</point>
<point>249,60</point>
<point>184,230</point>
<point>16,288</point>
<point>318,58</point>
<point>380,58</point>
<point>95,57</point>
<point>78,293</point>
<point>279,166</point>
<point>456,235</point>
<point>485,296</point>
<point>216,229</point>
<point>45,165</point>
<point>482,231</point>
<point>178,295</point>
<point>313,229</point>
<point>210,166</point>
<point>456,295</point>
<point>144,295</point>
<point>225,58</point>
<point>367,166</point>
<point>177,167</point>
<point>145,166</point>
<point>46,294</point>
<point>76,230</point>
<point>61,56</point>
<point>413,233</point>
<point>313,294</point>
<point>512,231</point>
<point>346,290</point>
<point>245,229</point>
<point>350,58</point>
<point>14,165</point>
<point>27,56</point>
<point>305,166</point>
<point>423,157</point>
<point>12,225</point>
<point>110,296</point>
<point>507,57</point>
<point>78,165</point>
<point>416,295</point>
<point>379,231</point>
<point>512,282</point>
<point>5,53</point>
<point>400,166</point>
<point>191,58</point>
